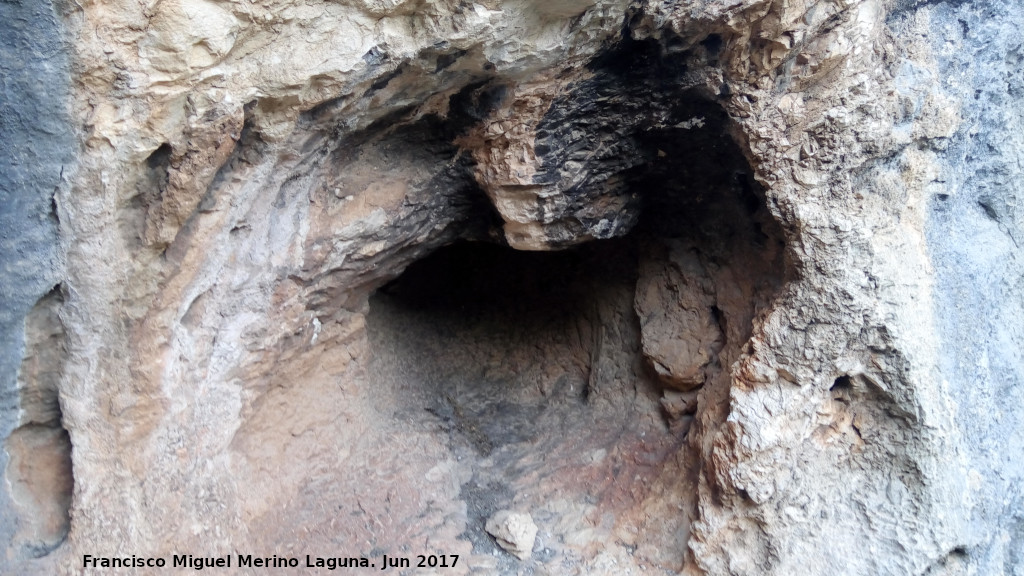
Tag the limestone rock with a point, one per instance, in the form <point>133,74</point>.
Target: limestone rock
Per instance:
<point>710,287</point>
<point>514,531</point>
<point>677,312</point>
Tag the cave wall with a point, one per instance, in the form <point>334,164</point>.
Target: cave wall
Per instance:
<point>247,176</point>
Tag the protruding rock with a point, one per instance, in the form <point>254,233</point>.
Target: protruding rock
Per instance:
<point>681,334</point>
<point>514,531</point>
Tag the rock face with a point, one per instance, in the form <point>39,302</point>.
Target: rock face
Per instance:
<point>707,287</point>
<point>37,144</point>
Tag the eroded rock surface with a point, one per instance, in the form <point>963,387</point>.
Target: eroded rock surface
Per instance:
<point>707,287</point>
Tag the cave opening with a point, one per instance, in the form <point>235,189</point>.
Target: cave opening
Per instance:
<point>570,383</point>
<point>528,366</point>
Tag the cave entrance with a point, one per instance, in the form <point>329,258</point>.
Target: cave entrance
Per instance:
<point>529,365</point>
<point>575,384</point>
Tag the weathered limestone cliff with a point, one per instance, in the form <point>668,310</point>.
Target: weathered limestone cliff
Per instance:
<point>700,286</point>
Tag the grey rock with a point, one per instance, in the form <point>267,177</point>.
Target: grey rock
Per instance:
<point>37,142</point>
